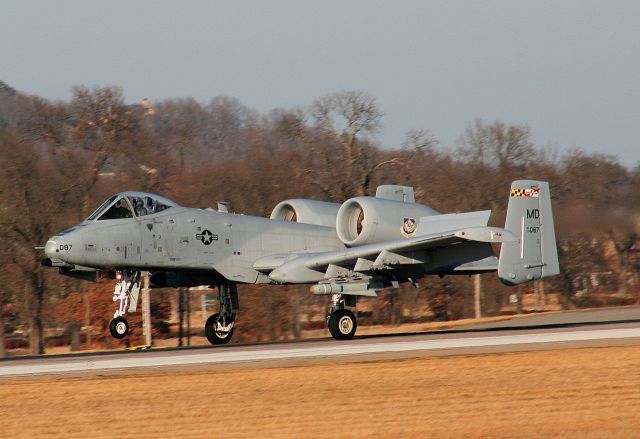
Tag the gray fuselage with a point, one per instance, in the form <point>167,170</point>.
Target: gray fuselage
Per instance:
<point>181,238</point>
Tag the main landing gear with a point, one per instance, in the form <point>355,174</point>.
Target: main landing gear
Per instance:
<point>218,329</point>
<point>341,322</point>
<point>126,292</point>
<point>219,326</point>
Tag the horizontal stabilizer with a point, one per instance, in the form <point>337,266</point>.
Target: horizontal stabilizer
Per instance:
<point>486,234</point>
<point>486,264</point>
<point>430,225</point>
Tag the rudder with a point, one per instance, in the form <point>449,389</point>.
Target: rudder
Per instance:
<point>529,217</point>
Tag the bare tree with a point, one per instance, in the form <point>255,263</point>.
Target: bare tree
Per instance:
<point>623,239</point>
<point>228,124</point>
<point>493,155</point>
<point>348,118</point>
<point>499,144</point>
<point>25,222</point>
<point>177,125</point>
<point>102,129</point>
<point>3,300</point>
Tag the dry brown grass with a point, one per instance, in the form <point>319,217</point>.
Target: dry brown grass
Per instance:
<point>581,393</point>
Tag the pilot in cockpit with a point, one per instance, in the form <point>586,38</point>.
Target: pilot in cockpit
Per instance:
<point>150,204</point>
<point>138,207</point>
<point>120,210</point>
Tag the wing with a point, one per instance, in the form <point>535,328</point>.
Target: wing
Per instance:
<point>393,255</point>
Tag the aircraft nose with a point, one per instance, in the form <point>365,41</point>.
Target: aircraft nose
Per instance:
<point>58,248</point>
<point>50,248</point>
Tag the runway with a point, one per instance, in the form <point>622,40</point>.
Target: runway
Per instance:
<point>550,331</point>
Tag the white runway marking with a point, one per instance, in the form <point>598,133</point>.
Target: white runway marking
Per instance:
<point>97,363</point>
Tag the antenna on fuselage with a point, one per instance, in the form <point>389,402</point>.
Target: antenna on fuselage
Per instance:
<point>223,206</point>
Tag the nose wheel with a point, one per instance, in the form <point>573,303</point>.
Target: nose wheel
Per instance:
<point>126,292</point>
<point>119,327</point>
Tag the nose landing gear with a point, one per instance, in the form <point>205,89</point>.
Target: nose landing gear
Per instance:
<point>127,291</point>
<point>119,327</point>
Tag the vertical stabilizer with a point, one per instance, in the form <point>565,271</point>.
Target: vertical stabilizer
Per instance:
<point>529,217</point>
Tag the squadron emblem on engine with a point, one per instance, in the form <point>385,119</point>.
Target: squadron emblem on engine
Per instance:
<point>408,227</point>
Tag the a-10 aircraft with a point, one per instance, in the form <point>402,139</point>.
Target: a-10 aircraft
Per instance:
<point>354,249</point>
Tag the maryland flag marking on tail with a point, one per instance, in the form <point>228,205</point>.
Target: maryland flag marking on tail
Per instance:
<point>530,192</point>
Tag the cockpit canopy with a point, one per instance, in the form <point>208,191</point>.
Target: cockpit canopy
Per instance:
<point>130,205</point>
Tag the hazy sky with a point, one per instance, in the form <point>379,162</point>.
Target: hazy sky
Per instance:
<point>568,69</point>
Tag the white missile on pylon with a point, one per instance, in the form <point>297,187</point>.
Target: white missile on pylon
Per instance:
<point>354,289</point>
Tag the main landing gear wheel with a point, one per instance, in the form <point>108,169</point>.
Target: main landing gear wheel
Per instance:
<point>342,324</point>
<point>119,327</point>
<point>219,330</point>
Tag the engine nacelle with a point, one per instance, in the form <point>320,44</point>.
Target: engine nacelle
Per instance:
<point>366,220</point>
<point>319,213</point>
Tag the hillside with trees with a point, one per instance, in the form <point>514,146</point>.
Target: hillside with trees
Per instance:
<point>60,159</point>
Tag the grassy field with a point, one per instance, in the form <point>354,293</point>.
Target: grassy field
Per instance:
<point>575,393</point>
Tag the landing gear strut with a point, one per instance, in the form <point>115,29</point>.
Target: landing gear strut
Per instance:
<point>126,292</point>
<point>219,326</point>
<point>341,322</point>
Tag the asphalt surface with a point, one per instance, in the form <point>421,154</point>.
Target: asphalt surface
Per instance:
<point>592,328</point>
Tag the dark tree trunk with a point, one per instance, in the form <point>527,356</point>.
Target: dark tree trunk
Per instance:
<point>87,317</point>
<point>295,310</point>
<point>3,352</point>
<point>36,329</point>
<point>74,332</point>
<point>36,341</point>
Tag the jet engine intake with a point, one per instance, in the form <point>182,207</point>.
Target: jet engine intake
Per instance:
<point>367,220</point>
<point>319,213</point>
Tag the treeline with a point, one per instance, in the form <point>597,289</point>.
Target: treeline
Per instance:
<point>60,159</point>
